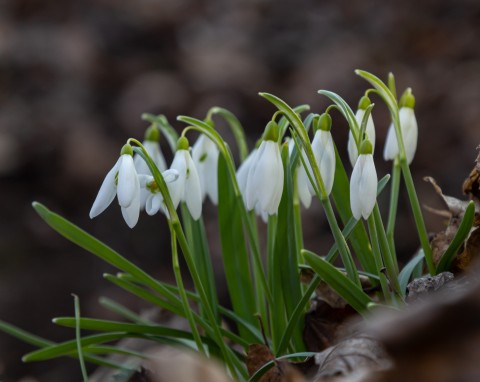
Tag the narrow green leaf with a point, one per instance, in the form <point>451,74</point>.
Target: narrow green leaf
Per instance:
<point>86,241</point>
<point>78,338</point>
<point>459,238</point>
<point>122,310</point>
<point>407,271</point>
<point>234,250</point>
<point>167,130</point>
<point>347,289</point>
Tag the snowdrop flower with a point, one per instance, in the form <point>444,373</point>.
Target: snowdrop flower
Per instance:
<point>187,187</point>
<point>152,146</point>
<point>369,130</point>
<point>154,198</point>
<point>324,153</point>
<point>265,177</point>
<point>301,180</point>
<point>363,183</point>
<point>122,181</point>
<point>205,156</point>
<point>408,127</point>
<point>243,171</point>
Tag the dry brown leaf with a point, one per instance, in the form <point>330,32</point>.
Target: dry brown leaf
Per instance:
<point>471,185</point>
<point>282,371</point>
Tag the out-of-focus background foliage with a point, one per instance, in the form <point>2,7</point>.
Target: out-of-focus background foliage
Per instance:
<point>75,77</point>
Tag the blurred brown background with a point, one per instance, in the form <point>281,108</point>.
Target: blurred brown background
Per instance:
<point>75,77</point>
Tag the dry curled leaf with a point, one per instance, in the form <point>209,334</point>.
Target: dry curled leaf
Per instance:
<point>471,185</point>
<point>282,371</point>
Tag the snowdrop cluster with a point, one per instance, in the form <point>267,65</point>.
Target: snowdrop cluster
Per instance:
<point>192,175</point>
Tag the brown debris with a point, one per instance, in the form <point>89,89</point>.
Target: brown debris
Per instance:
<point>471,186</point>
<point>423,287</point>
<point>282,371</point>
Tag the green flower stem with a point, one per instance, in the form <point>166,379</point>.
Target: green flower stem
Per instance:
<point>183,295</point>
<point>388,257</point>
<point>206,129</point>
<point>385,93</point>
<point>299,128</point>
<point>417,214</point>
<point>235,126</point>
<point>78,337</point>
<point>392,211</point>
<point>378,256</point>
<point>174,221</point>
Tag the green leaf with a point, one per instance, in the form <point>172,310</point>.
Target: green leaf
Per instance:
<point>86,241</point>
<point>459,238</point>
<point>383,91</point>
<point>122,310</point>
<point>345,287</point>
<point>234,250</point>
<point>78,338</point>
<point>407,271</point>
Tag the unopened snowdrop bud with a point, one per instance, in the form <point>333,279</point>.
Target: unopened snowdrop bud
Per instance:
<point>243,171</point>
<point>363,183</point>
<point>369,130</point>
<point>408,127</point>
<point>122,180</point>
<point>152,146</point>
<point>205,156</point>
<point>324,152</point>
<point>187,187</point>
<point>265,177</point>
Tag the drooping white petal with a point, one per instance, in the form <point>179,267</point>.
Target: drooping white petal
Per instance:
<point>153,150</point>
<point>265,180</point>
<point>106,194</point>
<point>242,173</point>
<point>302,187</point>
<point>409,128</point>
<point>205,156</point>
<point>131,213</point>
<point>153,204</point>
<point>409,131</point>
<point>363,187</point>
<point>193,192</point>
<point>127,181</point>
<point>177,188</point>
<point>370,132</point>
<point>324,152</point>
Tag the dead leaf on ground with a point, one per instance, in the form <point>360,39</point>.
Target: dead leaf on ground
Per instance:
<point>471,186</point>
<point>282,371</point>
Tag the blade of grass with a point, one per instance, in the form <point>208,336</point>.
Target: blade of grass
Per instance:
<point>407,271</point>
<point>78,338</point>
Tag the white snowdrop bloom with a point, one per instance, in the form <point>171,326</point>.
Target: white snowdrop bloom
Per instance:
<point>153,150</point>
<point>409,128</point>
<point>301,180</point>
<point>370,134</point>
<point>363,183</point>
<point>187,187</point>
<point>242,173</point>
<point>122,181</point>
<point>154,199</point>
<point>324,153</point>
<point>205,156</point>
<point>265,177</point>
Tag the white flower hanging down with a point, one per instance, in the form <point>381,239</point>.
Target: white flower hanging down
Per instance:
<point>243,171</point>
<point>369,130</point>
<point>154,198</point>
<point>301,180</point>
<point>408,127</point>
<point>187,187</point>
<point>152,146</point>
<point>265,177</point>
<point>122,181</point>
<point>205,156</point>
<point>363,183</point>
<point>324,153</point>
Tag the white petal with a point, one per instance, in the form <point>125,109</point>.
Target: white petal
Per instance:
<point>170,175</point>
<point>177,188</point>
<point>153,204</point>
<point>324,152</point>
<point>370,131</point>
<point>132,212</point>
<point>352,149</point>
<point>106,194</point>
<point>193,192</point>
<point>242,173</point>
<point>409,131</point>
<point>302,187</point>
<point>390,150</point>
<point>368,186</point>
<point>355,197</point>
<point>127,180</point>
<point>251,188</point>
